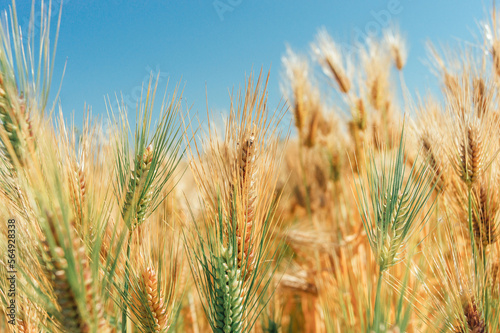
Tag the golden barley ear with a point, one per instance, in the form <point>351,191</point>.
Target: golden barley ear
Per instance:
<point>339,75</point>
<point>474,320</point>
<point>314,122</point>
<point>471,154</point>
<point>247,182</point>
<point>78,190</point>
<point>435,162</point>
<point>95,306</point>
<point>297,70</point>
<point>299,281</point>
<point>494,274</point>
<point>358,136</point>
<point>24,327</point>
<point>28,316</point>
<point>484,215</point>
<point>149,307</point>
<point>397,47</point>
<point>480,97</point>
<point>330,57</point>
<point>495,54</point>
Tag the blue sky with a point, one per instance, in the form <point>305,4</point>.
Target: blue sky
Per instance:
<point>112,46</point>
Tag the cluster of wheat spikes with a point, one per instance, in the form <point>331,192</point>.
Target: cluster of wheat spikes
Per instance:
<point>392,220</point>
<point>363,220</point>
<point>95,245</point>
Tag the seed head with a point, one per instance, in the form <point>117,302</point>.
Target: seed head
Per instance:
<point>330,58</point>
<point>471,159</point>
<point>397,47</point>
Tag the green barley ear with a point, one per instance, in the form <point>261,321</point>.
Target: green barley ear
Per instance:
<point>391,201</point>
<point>157,153</point>
<point>232,300</point>
<point>389,206</point>
<point>230,247</point>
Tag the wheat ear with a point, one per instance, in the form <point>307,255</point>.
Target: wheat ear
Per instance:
<point>439,175</point>
<point>484,216</point>
<point>471,157</point>
<point>153,316</point>
<point>475,322</point>
<point>135,196</point>
<point>56,267</point>
<point>12,122</point>
<point>246,169</point>
<point>78,187</point>
<point>495,53</point>
<point>71,317</point>
<point>228,302</point>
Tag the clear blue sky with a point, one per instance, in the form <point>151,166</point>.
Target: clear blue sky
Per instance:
<point>111,46</point>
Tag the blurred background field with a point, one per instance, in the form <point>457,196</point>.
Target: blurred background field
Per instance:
<point>325,168</point>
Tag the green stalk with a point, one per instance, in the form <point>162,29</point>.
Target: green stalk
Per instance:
<point>376,315</point>
<point>125,289</point>
<point>471,230</point>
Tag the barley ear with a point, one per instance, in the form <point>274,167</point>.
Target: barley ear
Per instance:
<point>471,159</point>
<point>391,202</point>
<point>473,317</point>
<point>157,153</point>
<point>148,304</point>
<point>331,60</point>
<point>484,214</point>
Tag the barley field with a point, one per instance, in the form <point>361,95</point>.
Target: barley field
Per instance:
<point>370,214</point>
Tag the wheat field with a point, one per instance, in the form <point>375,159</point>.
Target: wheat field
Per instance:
<point>373,211</point>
